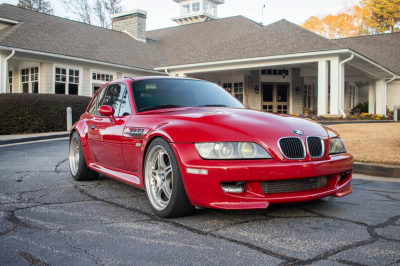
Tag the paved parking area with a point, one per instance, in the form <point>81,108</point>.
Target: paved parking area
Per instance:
<point>47,218</point>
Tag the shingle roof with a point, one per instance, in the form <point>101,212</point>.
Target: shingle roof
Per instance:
<point>42,32</point>
<point>222,39</point>
<point>188,43</point>
<point>282,37</point>
<point>384,49</point>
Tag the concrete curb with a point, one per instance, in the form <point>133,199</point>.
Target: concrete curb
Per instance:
<point>33,138</point>
<point>328,123</point>
<point>376,170</point>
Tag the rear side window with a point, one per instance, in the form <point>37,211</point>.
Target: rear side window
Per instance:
<point>125,105</point>
<point>117,98</point>
<point>94,108</point>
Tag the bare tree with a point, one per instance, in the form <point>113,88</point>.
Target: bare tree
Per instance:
<point>42,6</point>
<point>103,9</point>
<point>99,13</point>
<point>80,8</point>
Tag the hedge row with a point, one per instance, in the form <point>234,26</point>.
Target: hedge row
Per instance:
<point>35,113</point>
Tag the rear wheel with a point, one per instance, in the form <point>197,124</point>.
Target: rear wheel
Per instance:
<point>163,181</point>
<point>77,162</point>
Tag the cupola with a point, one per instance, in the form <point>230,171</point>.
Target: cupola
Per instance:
<point>193,11</point>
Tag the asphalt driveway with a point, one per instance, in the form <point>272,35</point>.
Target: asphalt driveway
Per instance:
<point>47,218</point>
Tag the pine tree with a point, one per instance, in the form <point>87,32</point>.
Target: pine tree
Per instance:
<point>42,6</point>
<point>382,15</point>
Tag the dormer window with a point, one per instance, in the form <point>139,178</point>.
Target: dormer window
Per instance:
<point>212,10</point>
<point>196,7</point>
<point>206,6</point>
<point>185,9</point>
<point>209,9</point>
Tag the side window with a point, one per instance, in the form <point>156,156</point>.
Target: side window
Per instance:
<point>97,102</point>
<point>114,97</point>
<point>125,105</point>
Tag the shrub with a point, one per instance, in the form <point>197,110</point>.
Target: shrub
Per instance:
<point>362,106</point>
<point>35,113</point>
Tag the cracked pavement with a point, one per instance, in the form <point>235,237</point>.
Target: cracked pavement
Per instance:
<point>47,218</point>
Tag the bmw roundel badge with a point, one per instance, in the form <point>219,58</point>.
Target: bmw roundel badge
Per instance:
<point>298,132</point>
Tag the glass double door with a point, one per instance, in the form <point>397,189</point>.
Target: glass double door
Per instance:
<point>275,97</point>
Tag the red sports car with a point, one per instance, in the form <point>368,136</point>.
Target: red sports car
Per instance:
<point>190,143</point>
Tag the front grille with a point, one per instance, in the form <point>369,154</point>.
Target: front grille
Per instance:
<point>293,185</point>
<point>292,148</point>
<point>315,147</point>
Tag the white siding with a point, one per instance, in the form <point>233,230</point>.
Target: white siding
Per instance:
<point>393,94</point>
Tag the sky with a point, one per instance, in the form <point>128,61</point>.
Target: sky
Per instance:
<point>160,12</point>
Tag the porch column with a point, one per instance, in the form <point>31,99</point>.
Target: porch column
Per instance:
<point>380,97</point>
<point>334,76</point>
<point>371,98</point>
<point>46,78</point>
<point>323,87</point>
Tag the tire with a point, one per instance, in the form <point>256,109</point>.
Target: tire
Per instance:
<point>163,182</point>
<point>77,161</point>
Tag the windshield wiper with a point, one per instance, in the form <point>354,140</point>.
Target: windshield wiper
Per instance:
<point>160,106</point>
<point>212,105</point>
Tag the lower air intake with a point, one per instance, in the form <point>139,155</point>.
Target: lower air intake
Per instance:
<point>293,185</point>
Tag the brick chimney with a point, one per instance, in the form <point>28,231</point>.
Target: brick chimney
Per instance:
<point>132,23</point>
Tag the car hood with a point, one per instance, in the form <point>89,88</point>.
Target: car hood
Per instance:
<point>231,124</point>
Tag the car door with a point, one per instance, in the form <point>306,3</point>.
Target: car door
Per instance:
<point>105,136</point>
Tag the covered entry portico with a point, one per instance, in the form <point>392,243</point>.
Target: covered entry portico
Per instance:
<point>324,83</point>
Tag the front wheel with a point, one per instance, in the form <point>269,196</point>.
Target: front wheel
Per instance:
<point>163,181</point>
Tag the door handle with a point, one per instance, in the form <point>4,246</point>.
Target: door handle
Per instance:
<point>93,126</point>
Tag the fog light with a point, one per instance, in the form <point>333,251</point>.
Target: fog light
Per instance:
<point>233,187</point>
<point>197,171</point>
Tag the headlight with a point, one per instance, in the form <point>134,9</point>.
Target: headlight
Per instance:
<point>336,146</point>
<point>231,150</point>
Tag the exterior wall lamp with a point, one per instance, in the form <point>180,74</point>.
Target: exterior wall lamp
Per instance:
<point>297,90</point>
<point>283,73</point>
<point>256,89</point>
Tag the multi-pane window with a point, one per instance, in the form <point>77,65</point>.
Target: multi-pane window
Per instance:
<point>228,87</point>
<point>209,9</point>
<point>102,76</point>
<point>61,74</point>
<point>61,80</point>
<point>186,9</point>
<point>35,79</point>
<point>238,91</point>
<point>25,80</point>
<point>352,97</point>
<point>274,72</point>
<point>67,81</point>
<point>73,81</point>
<point>206,7</point>
<point>307,96</point>
<point>196,7</point>
<point>10,81</point>
<point>30,80</point>
<point>212,10</point>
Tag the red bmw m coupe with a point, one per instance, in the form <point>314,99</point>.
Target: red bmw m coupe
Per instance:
<point>190,143</point>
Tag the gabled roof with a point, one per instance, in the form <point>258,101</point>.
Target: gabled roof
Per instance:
<point>42,32</point>
<point>384,49</point>
<point>186,43</point>
<point>216,40</point>
<point>282,37</point>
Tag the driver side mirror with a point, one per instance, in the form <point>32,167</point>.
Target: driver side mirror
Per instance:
<point>106,110</point>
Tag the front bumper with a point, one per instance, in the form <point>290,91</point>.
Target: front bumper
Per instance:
<point>205,190</point>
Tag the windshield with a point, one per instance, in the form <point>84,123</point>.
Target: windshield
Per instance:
<point>155,94</point>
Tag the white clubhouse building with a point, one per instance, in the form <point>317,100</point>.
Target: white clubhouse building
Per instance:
<point>280,67</point>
